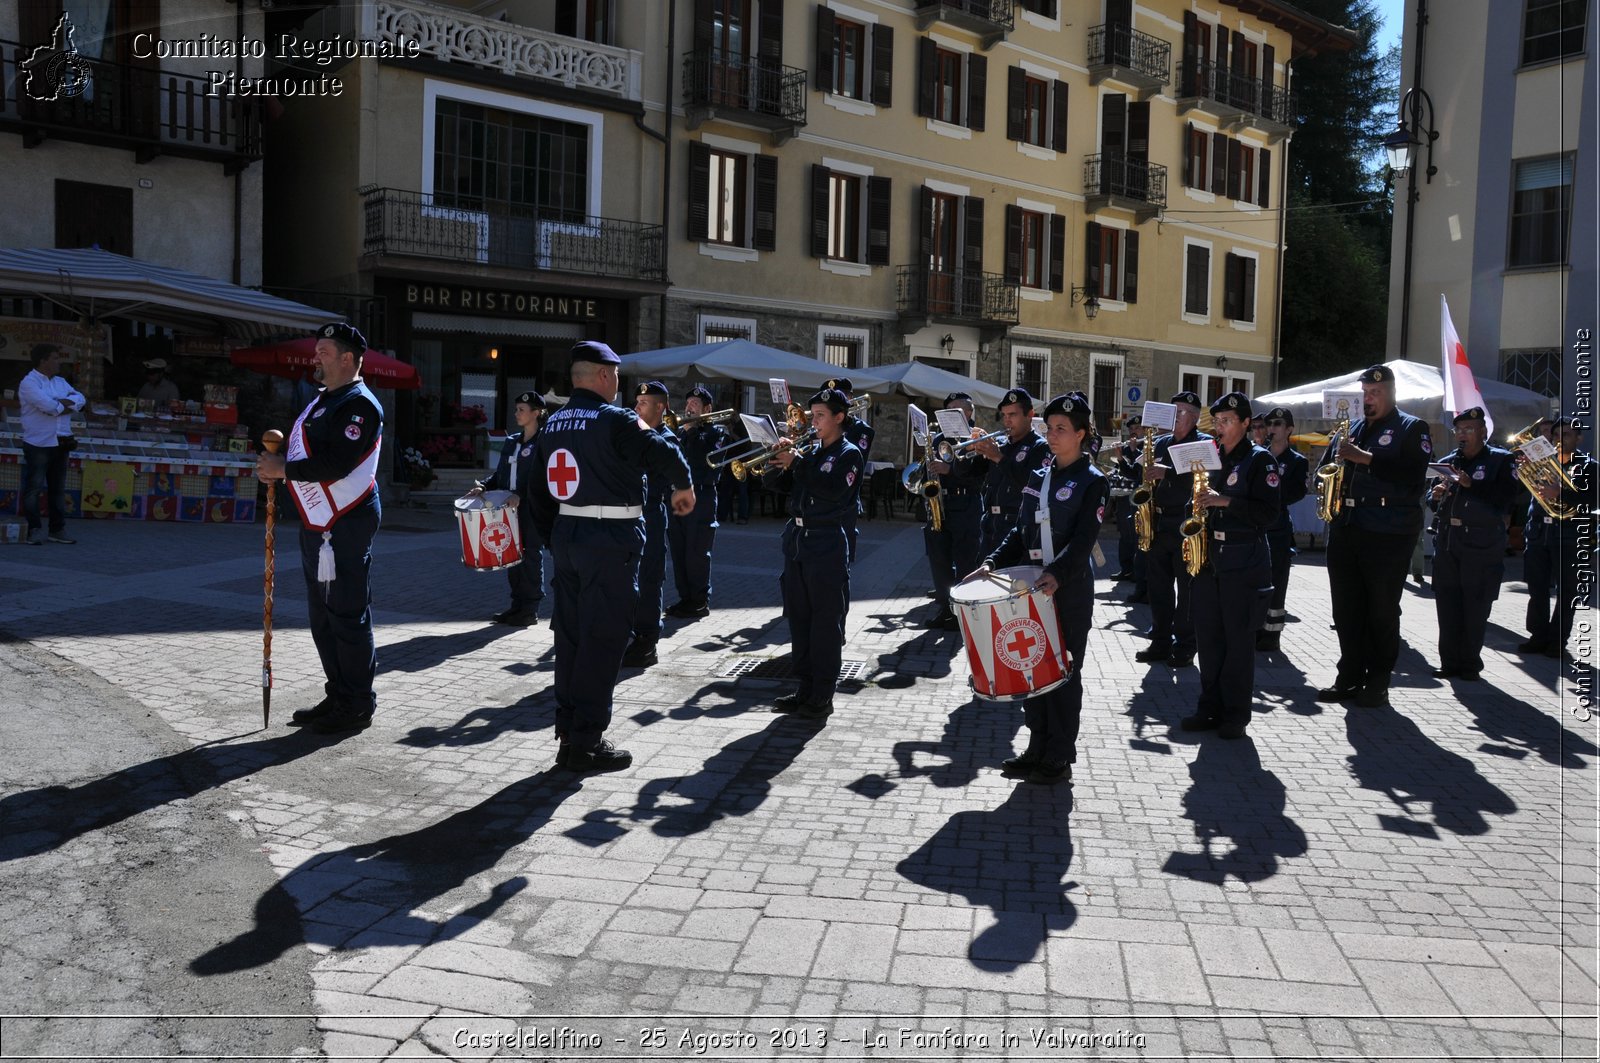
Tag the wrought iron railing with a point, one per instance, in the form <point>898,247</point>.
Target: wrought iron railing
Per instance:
<point>957,294</point>
<point>397,222</point>
<point>149,110</point>
<point>1119,175</point>
<point>1116,44</point>
<point>1001,13</point>
<point>716,79</point>
<point>1213,81</point>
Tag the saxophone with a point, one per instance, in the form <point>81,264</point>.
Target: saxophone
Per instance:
<point>1144,497</point>
<point>1330,474</point>
<point>1196,527</point>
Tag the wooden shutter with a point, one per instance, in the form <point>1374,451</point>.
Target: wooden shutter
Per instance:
<point>927,77</point>
<point>567,17</point>
<point>825,44</point>
<point>925,233</point>
<point>977,91</point>
<point>1091,256</point>
<point>882,64</point>
<point>1264,180</point>
<point>1113,124</point>
<point>1187,154</point>
<point>879,211</point>
<point>699,216</point>
<point>819,210</point>
<point>1219,164</point>
<point>1269,59</point>
<point>1235,169</point>
<point>1221,65</point>
<point>1058,252</point>
<point>765,236</point>
<point>1013,263</point>
<point>1247,289</point>
<point>769,46</point>
<point>1130,266</point>
<point>1058,135</point>
<point>1139,131</point>
<point>1188,74</point>
<point>972,248</point>
<point>1016,103</point>
<point>1230,286</point>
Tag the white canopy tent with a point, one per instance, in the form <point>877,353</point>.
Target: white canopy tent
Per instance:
<point>930,384</point>
<point>752,363</point>
<point>1419,391</point>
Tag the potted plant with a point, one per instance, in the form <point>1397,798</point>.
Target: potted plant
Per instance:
<point>416,470</point>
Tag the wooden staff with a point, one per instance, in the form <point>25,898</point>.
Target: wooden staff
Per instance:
<point>271,441</point>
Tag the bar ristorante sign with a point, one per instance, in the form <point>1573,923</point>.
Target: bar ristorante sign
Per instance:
<point>465,299</point>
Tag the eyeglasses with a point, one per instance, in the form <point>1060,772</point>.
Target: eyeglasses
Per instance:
<point>1277,423</point>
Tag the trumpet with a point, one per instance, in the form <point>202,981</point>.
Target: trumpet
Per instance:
<point>1542,472</point>
<point>682,423</point>
<point>917,480</point>
<point>1195,528</point>
<point>946,451</point>
<point>743,467</point>
<point>798,416</point>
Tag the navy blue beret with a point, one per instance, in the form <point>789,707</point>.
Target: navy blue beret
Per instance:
<point>594,351</point>
<point>701,392</point>
<point>1474,414</point>
<point>1377,374</point>
<point>1187,398</point>
<point>839,384</point>
<point>652,387</point>
<point>832,398</point>
<point>1235,402</point>
<point>1017,397</point>
<point>347,336</point>
<point>533,399</point>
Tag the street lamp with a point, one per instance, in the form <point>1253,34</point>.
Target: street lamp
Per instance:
<point>1091,305</point>
<point>1402,144</point>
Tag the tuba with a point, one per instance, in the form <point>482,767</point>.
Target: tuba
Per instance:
<point>1330,474</point>
<point>1144,497</point>
<point>1535,473</point>
<point>1197,526</point>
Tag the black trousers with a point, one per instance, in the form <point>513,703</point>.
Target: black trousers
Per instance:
<point>527,579</point>
<point>953,549</point>
<point>1281,544</point>
<point>1572,548</point>
<point>1466,581</point>
<point>1230,603</point>
<point>340,612</point>
<point>652,574</point>
<point>691,539</point>
<point>1171,617</point>
<point>1127,539</point>
<point>816,594</point>
<point>1054,718</point>
<point>1366,574</point>
<point>1538,571</point>
<point>596,585</point>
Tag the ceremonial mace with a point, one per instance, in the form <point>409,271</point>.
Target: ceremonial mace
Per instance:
<point>271,440</point>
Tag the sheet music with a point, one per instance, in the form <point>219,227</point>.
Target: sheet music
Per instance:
<point>780,390</point>
<point>760,428</point>
<point>919,424</point>
<point>1352,405</point>
<point>953,423</point>
<point>1204,451</point>
<point>1162,415</point>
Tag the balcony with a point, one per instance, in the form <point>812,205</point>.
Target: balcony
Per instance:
<point>1123,54</point>
<point>453,36</point>
<point>744,91</point>
<point>926,295</point>
<point>1122,183</point>
<point>989,20</point>
<point>1234,100</point>
<point>417,225</point>
<point>147,111</point>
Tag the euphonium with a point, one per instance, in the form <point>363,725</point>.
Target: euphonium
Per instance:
<point>1195,527</point>
<point>1542,472</point>
<point>1144,497</point>
<point>1330,474</point>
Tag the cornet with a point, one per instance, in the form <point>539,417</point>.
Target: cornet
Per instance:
<point>677,423</point>
<point>946,451</point>
<point>798,416</point>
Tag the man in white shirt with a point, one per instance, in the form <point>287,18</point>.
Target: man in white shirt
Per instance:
<point>48,403</point>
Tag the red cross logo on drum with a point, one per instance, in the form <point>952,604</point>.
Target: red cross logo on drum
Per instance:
<point>1020,643</point>
<point>561,471</point>
<point>495,538</point>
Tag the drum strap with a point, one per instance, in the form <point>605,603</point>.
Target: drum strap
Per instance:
<point>1047,543</point>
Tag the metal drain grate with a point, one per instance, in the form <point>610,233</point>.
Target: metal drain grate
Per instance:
<point>783,668</point>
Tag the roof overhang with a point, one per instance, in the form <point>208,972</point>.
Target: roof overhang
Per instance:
<point>1311,34</point>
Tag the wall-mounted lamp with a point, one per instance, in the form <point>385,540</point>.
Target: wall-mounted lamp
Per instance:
<point>1091,305</point>
<point>1222,362</point>
<point>1408,136</point>
<point>948,342</point>
<point>494,353</point>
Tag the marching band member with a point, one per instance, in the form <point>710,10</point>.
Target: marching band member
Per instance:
<point>1369,543</point>
<point>1570,539</point>
<point>1294,475</point>
<point>519,466</point>
<point>1057,525</point>
<point>650,403</point>
<point>693,534</point>
<point>331,467</point>
<point>1538,568</point>
<point>953,549</point>
<point>1469,557</point>
<point>1231,592</point>
<point>1171,624</point>
<point>589,505</point>
<point>1130,559</point>
<point>1015,460</point>
<point>822,484</point>
<point>860,434</point>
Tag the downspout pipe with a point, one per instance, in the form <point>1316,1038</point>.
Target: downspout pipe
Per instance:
<point>1412,195</point>
<point>238,174</point>
<point>666,170</point>
<point>1283,236</point>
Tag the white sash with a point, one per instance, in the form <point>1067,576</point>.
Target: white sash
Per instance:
<point>1047,543</point>
<point>320,504</point>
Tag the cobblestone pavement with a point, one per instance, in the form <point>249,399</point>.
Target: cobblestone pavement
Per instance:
<point>1415,882</point>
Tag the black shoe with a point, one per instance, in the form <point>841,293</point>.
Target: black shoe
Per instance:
<point>639,655</point>
<point>1198,722</point>
<point>815,710</point>
<point>943,619</point>
<point>60,537</point>
<point>517,618</point>
<point>301,717</point>
<point>1556,652</point>
<point>1046,774</point>
<point>1337,693</point>
<point>1122,576</point>
<point>1231,731</point>
<point>1147,633</point>
<point>1470,677</point>
<point>1138,598</point>
<point>342,719</point>
<point>1021,764</point>
<point>1445,673</point>
<point>689,610</point>
<point>1180,660</point>
<point>1532,646</point>
<point>1372,698</point>
<point>1266,641</point>
<point>603,757</point>
<point>790,703</point>
<point>1152,654</point>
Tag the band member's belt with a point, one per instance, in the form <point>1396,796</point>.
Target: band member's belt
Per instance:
<point>959,492</point>
<point>1236,537</point>
<point>603,512</point>
<point>1373,502</point>
<point>814,525</point>
<point>1003,511</point>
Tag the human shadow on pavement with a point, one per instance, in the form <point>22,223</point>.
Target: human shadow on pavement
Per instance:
<point>976,735</point>
<point>934,648</point>
<point>395,877</point>
<point>44,819</point>
<point>421,652</point>
<point>536,712</point>
<point>1157,705</point>
<point>1519,728</point>
<point>743,640</point>
<point>1010,859</point>
<point>1232,796</point>
<point>1392,756</point>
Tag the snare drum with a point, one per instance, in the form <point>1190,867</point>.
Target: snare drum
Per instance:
<point>491,537</point>
<point>1013,639</point>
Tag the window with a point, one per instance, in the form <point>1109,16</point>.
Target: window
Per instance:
<point>1197,280</point>
<point>951,244</point>
<point>1197,157</point>
<point>715,329</point>
<point>849,62</point>
<point>1540,208</point>
<point>1036,110</point>
<point>1032,370</point>
<point>1552,29</point>
<point>733,196</point>
<point>590,20</point>
<point>1537,369</point>
<point>1239,288</point>
<point>845,348</point>
<point>952,85</point>
<point>89,215</point>
<point>1242,173</point>
<point>947,87</point>
<point>484,157</point>
<point>1035,242</point>
<point>1190,382</point>
<point>1112,262</point>
<point>854,60</point>
<point>849,216</point>
<point>1044,8</point>
<point>725,204</point>
<point>1211,385</point>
